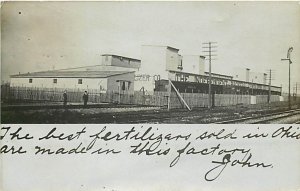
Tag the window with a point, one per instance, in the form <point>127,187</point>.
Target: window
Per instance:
<point>123,85</point>
<point>106,58</point>
<point>129,85</point>
<point>177,77</point>
<point>156,77</point>
<point>180,65</point>
<point>30,80</point>
<point>79,81</point>
<point>54,81</point>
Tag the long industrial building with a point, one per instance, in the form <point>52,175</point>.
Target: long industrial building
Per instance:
<point>187,72</point>
<point>158,64</point>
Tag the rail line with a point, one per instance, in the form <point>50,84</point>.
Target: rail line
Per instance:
<point>263,118</point>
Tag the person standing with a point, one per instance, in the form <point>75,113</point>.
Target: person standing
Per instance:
<point>65,97</point>
<point>85,98</point>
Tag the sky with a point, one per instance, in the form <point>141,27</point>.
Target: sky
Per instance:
<point>38,36</point>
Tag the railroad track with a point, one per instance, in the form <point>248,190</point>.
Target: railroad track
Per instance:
<point>261,119</point>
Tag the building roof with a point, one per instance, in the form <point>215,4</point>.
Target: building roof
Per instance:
<point>168,47</point>
<point>219,74</point>
<point>206,73</point>
<point>98,68</point>
<point>114,55</point>
<point>220,77</point>
<point>197,55</point>
<point>70,74</point>
<point>172,48</point>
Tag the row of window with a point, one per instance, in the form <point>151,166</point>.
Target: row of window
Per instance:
<point>55,81</point>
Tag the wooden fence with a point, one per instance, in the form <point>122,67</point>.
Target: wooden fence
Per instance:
<point>136,98</point>
<point>75,96</point>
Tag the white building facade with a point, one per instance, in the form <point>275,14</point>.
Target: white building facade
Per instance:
<point>158,61</point>
<point>101,81</point>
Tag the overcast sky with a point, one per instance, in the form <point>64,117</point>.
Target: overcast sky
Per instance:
<point>45,35</point>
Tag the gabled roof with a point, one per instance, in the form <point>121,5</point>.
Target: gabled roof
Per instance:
<point>70,74</point>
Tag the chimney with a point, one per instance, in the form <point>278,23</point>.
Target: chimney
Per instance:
<point>247,74</point>
<point>180,67</point>
<point>201,65</point>
<point>265,78</point>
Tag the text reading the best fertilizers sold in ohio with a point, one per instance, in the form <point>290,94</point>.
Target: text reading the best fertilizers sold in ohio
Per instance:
<point>218,144</point>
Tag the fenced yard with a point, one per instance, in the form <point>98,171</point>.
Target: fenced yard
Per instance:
<point>13,94</point>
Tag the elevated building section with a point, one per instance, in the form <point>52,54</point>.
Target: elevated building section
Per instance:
<point>120,61</point>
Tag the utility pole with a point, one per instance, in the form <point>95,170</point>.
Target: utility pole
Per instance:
<point>209,49</point>
<point>270,84</point>
<point>269,96</point>
<point>296,89</point>
<point>252,87</point>
<point>290,62</point>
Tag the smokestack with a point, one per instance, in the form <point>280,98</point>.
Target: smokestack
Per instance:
<point>247,74</point>
<point>201,65</point>
<point>265,78</point>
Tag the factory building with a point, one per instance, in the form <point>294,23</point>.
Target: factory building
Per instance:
<point>187,73</point>
<point>114,74</point>
<point>158,64</point>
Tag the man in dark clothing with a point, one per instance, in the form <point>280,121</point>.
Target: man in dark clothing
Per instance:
<point>65,97</point>
<point>85,98</point>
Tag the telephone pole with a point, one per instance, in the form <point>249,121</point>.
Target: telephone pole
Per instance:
<point>290,62</point>
<point>295,90</point>
<point>270,84</point>
<point>208,48</point>
<point>269,96</point>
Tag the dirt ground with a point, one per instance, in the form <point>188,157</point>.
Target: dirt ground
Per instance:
<point>129,114</point>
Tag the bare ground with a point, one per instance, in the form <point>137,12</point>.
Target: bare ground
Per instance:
<point>129,114</point>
